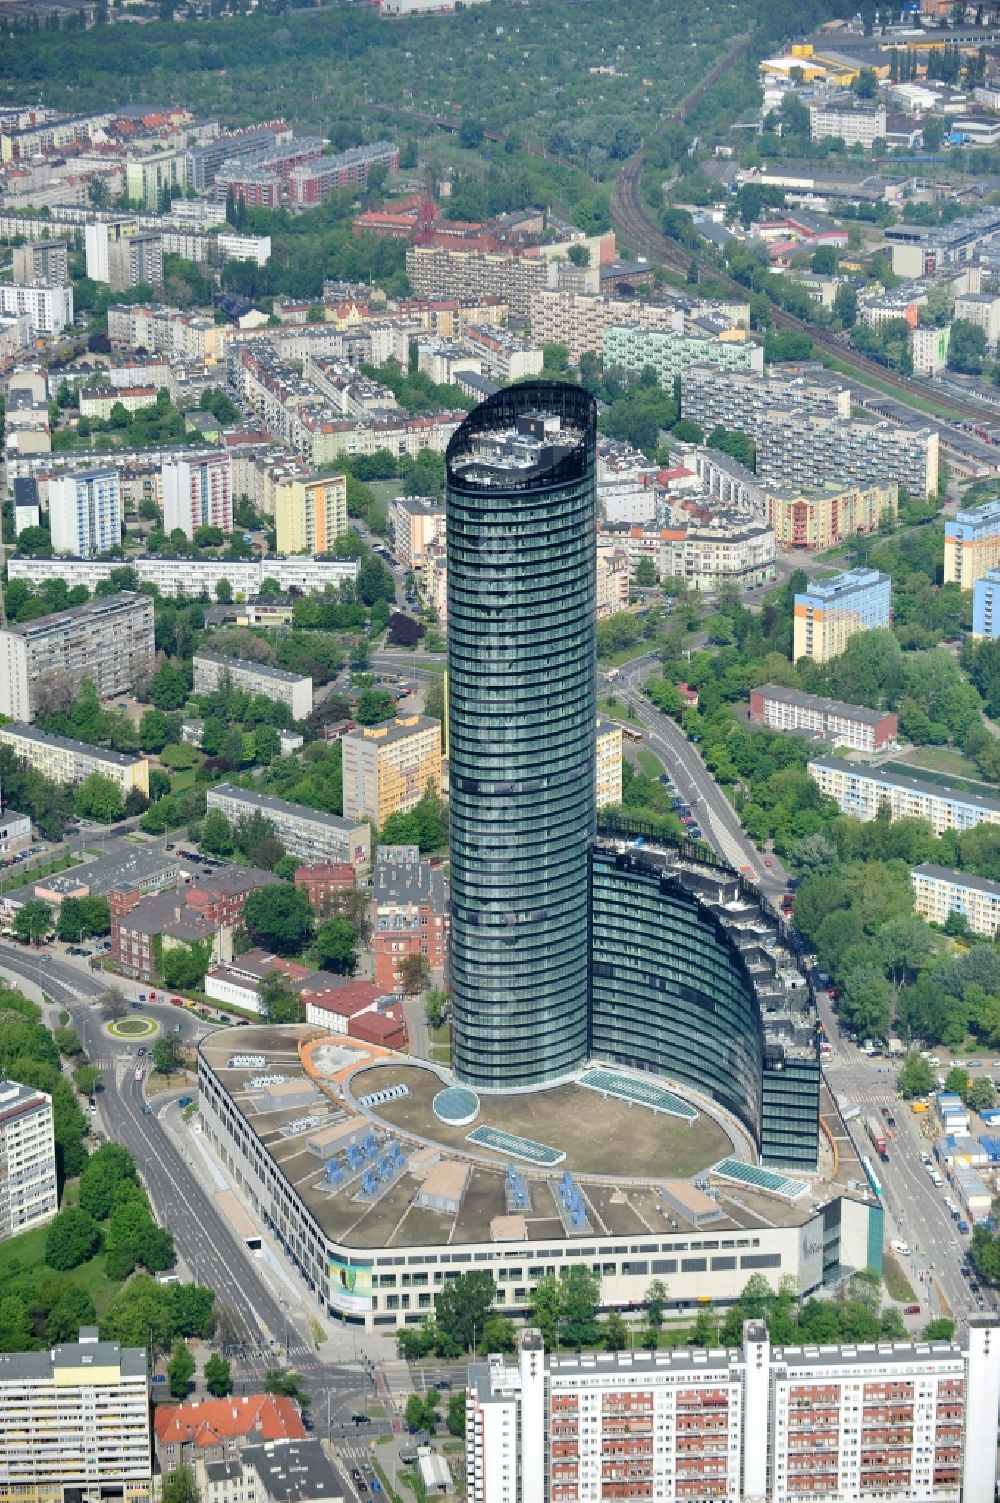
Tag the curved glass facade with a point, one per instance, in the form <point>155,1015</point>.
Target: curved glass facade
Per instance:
<point>670,990</point>
<point>521,528</point>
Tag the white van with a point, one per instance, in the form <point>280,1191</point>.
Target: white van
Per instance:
<point>900,1247</point>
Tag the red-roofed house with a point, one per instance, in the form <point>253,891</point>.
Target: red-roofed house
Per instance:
<point>216,1429</point>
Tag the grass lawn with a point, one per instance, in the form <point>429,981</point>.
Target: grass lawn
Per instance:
<point>26,1254</point>
<point>936,409</point>
<point>27,873</point>
<point>441,1044</point>
<point>649,762</point>
<point>897,1284</point>
<point>182,780</point>
<point>937,759</point>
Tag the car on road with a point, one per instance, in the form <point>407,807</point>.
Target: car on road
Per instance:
<point>361,1419</point>
<point>184,1101</point>
<point>147,1110</point>
<point>138,1072</point>
<point>176,1002</point>
<point>135,1004</point>
<point>911,1309</point>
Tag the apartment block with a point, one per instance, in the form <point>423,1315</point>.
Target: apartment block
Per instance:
<point>929,350</point>
<point>122,254</point>
<point>409,914</point>
<point>310,513</point>
<point>109,641</point>
<point>847,121</point>
<point>862,791</point>
<point>85,513</point>
<point>212,669</point>
<point>306,833</point>
<point>631,348</point>
<point>854,726</point>
<point>505,357</point>
<point>830,611</point>
<point>74,1423</point>
<point>806,518</point>
<point>149,175</point>
<point>197,492</point>
<point>311,182</point>
<point>42,262</point>
<point>986,605</point>
<point>981,309</point>
<point>66,761</point>
<point>388,767</point>
<point>889,1419</point>
<point>972,544</point>
<point>415,523</point>
<point>438,271</point>
<point>195,576</point>
<point>614,576</point>
<point>610,756</point>
<point>28,1190</point>
<point>938,892</point>
<point>49,309</point>
<point>800,420</point>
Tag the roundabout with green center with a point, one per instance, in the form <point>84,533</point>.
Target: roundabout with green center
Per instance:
<point>132,1028</point>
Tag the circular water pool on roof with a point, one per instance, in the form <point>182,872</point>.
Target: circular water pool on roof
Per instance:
<point>456,1106</point>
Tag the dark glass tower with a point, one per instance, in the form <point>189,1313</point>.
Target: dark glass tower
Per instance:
<point>521,713</point>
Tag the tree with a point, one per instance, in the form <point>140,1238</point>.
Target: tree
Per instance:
<point>421,1411</point>
<point>645,574</point>
<point>456,1414</point>
<point>967,347</point>
<point>277,1001</point>
<point>99,798</point>
<point>218,1376</point>
<point>374,705</point>
<point>336,945</point>
<point>655,1303</point>
<point>154,731</point>
<point>579,1297</point>
<point>223,592</point>
<point>192,1310</point>
<point>33,921</point>
<point>615,1333</point>
<point>916,1077</point>
<point>414,971</point>
<point>184,965</point>
<point>824,260</point>
<point>72,1238</point>
<point>166,1055</point>
<point>498,1334</point>
<point>434,1007</point>
<point>463,1304</point>
<point>941,1329</point>
<point>957,1080</point>
<point>982,1096</point>
<point>287,1384</point>
<point>113,1004</point>
<point>216,832</point>
<point>180,1371</point>
<point>279,918</point>
<point>178,1486</point>
<point>168,690</point>
<point>845,305</point>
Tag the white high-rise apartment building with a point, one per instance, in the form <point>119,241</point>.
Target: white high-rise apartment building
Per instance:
<point>829,1423</point>
<point>50,308</point>
<point>28,1193</point>
<point>74,1423</point>
<point>85,514</point>
<point>198,492</point>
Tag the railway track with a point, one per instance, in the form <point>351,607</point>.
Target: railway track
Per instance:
<point>647,239</point>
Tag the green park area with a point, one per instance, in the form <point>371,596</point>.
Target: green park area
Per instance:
<point>132,1028</point>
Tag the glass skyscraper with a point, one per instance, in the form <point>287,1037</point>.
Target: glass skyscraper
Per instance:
<point>521,527</point>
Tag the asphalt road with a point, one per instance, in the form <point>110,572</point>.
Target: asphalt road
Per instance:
<point>718,820</point>
<point>205,1243</point>
<point>916,1209</point>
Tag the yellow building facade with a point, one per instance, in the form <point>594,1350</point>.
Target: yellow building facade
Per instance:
<point>310,512</point>
<point>609,764</point>
<point>387,767</point>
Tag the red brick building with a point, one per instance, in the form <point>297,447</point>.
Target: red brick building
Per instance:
<point>217,1429</point>
<point>141,927</point>
<point>409,915</point>
<point>322,880</point>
